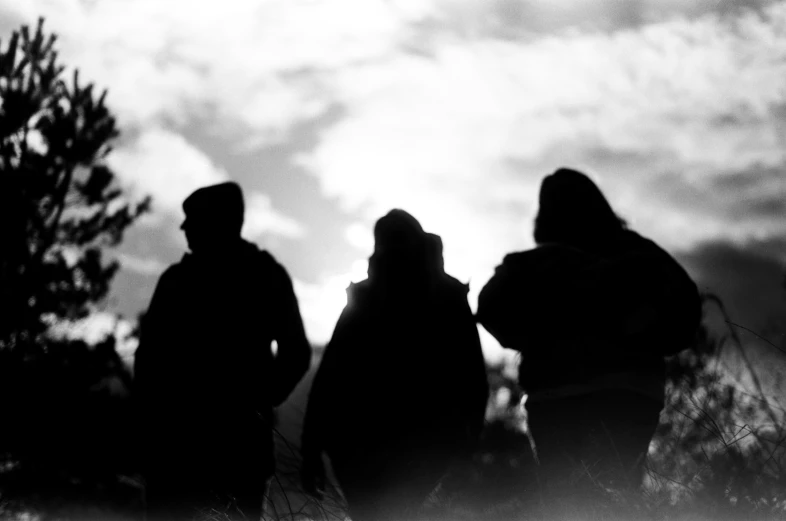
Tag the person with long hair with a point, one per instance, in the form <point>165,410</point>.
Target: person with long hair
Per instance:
<point>594,308</point>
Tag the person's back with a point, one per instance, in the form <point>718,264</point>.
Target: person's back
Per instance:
<point>405,342</point>
<point>406,349</point>
<point>590,313</point>
<point>594,309</point>
<point>206,380</point>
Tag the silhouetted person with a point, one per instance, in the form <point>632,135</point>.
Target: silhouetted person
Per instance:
<point>401,391</point>
<point>206,379</point>
<point>593,309</point>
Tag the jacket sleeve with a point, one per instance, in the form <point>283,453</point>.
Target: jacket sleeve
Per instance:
<point>523,302</point>
<point>151,358</point>
<point>293,356</point>
<point>473,390</point>
<point>498,309</point>
<point>325,389</point>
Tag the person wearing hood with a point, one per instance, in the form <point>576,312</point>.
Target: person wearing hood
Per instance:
<point>594,309</point>
<point>206,380</point>
<point>401,391</point>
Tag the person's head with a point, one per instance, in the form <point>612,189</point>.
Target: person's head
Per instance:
<point>399,241</point>
<point>572,210</point>
<point>214,216</point>
<point>397,232</point>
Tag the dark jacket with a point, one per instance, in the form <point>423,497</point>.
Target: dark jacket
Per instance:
<point>403,373</point>
<point>205,378</point>
<point>576,315</point>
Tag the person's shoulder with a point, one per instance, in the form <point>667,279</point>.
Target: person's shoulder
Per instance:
<point>274,272</point>
<point>267,259</point>
<point>539,252</point>
<point>262,267</point>
<point>175,278</point>
<point>643,246</point>
<point>262,259</point>
<point>516,256</point>
<point>545,257</point>
<point>635,241</point>
<point>514,261</point>
<point>452,285</point>
<point>357,292</point>
<point>662,267</point>
<point>177,270</point>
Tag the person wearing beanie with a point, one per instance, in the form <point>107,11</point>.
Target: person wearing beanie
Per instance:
<point>206,380</point>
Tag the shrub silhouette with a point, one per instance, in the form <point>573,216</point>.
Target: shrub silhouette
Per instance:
<point>719,446</point>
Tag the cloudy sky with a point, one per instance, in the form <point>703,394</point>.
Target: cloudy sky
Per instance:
<point>331,112</point>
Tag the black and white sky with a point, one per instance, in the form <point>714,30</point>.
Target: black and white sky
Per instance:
<point>331,112</point>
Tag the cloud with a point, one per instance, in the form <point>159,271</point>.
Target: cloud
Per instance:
<point>517,20</point>
<point>262,219</point>
<point>461,132</point>
<point>453,121</point>
<point>757,192</point>
<point>740,206</point>
<point>162,163</point>
<point>454,110</point>
<point>140,265</point>
<point>321,304</point>
<point>359,236</point>
<point>462,136</point>
<point>749,279</point>
<point>242,65</point>
<point>165,165</point>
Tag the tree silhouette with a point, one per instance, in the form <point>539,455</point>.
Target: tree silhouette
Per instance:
<point>60,208</point>
<point>60,204</point>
